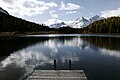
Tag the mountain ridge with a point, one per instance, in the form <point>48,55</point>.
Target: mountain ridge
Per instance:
<point>80,22</point>
<point>107,25</point>
<point>9,23</point>
<point>58,25</point>
<point>3,11</point>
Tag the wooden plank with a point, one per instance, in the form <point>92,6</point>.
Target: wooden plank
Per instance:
<point>58,75</point>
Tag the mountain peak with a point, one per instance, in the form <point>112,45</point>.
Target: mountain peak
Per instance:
<point>81,19</point>
<point>58,25</point>
<point>3,11</point>
<point>63,23</point>
<point>95,18</point>
<point>80,22</point>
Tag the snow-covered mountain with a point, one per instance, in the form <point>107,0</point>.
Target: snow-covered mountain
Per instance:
<point>80,22</point>
<point>3,11</point>
<point>95,18</point>
<point>58,25</point>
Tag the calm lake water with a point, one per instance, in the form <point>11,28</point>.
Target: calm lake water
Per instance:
<point>97,55</point>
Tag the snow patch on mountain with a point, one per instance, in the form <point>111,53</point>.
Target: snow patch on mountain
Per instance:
<point>95,18</point>
<point>80,22</point>
<point>58,25</point>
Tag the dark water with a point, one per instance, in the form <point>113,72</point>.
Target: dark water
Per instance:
<point>97,55</point>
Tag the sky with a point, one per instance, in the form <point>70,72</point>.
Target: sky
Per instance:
<point>56,11</point>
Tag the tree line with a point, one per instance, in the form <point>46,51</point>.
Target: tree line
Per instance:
<point>10,23</point>
<point>109,25</point>
<point>110,43</point>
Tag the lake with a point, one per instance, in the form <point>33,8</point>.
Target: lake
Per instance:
<point>97,55</point>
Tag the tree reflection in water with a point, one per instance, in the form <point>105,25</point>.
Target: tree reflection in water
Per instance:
<point>88,53</point>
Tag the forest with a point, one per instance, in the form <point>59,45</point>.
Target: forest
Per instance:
<point>110,43</point>
<point>109,25</point>
<point>10,23</point>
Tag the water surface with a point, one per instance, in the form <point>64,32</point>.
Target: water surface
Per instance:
<point>97,55</point>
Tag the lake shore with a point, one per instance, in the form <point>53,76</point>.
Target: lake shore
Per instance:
<point>14,34</point>
<point>10,34</point>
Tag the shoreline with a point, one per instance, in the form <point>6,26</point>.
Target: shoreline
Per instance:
<point>13,34</point>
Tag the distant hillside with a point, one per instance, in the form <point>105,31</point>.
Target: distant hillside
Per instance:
<point>80,22</point>
<point>67,30</point>
<point>3,11</point>
<point>10,23</point>
<point>58,25</point>
<point>109,25</point>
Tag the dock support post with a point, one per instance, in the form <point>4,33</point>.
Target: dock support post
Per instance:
<point>54,64</point>
<point>69,64</point>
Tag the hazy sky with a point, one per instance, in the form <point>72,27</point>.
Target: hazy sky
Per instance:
<point>51,11</point>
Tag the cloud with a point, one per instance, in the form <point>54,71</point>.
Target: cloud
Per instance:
<point>69,22</point>
<point>53,14</point>
<point>69,6</point>
<point>70,12</point>
<point>26,7</point>
<point>53,21</point>
<point>35,55</point>
<point>8,1</point>
<point>110,53</point>
<point>110,13</point>
<point>91,13</point>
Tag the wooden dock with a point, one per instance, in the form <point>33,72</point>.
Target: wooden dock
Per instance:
<point>57,75</point>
